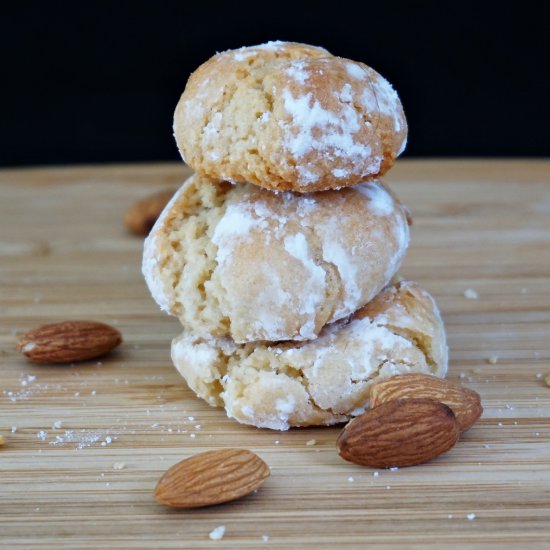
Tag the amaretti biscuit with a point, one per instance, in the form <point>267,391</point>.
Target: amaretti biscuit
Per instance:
<point>288,116</point>
<point>242,262</point>
<point>324,381</point>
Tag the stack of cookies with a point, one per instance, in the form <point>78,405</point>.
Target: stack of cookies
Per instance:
<point>279,255</point>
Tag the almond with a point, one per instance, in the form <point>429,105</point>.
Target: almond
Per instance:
<point>211,478</point>
<point>465,403</point>
<point>69,341</point>
<point>143,214</point>
<point>403,432</point>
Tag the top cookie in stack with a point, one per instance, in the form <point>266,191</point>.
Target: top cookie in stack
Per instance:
<point>277,255</point>
<point>288,116</point>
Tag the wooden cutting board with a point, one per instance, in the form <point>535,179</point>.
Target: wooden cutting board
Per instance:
<point>90,441</point>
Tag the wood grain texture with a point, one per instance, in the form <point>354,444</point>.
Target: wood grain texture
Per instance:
<point>65,254</point>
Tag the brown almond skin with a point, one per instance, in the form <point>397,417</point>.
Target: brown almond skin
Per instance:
<point>465,403</point>
<point>143,214</point>
<point>403,432</point>
<point>211,478</point>
<point>69,342</point>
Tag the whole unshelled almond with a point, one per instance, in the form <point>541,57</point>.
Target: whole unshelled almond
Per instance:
<point>465,403</point>
<point>69,341</point>
<point>143,214</point>
<point>403,432</point>
<point>211,478</point>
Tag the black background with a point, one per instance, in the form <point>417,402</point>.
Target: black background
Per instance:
<point>98,81</point>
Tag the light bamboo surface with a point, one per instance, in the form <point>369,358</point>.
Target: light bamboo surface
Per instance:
<point>65,254</point>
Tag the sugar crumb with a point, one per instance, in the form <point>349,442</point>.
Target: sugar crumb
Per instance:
<point>311,442</point>
<point>217,533</point>
<point>471,516</point>
<point>471,294</point>
<point>493,360</point>
<point>265,538</point>
<point>119,466</point>
<point>351,479</point>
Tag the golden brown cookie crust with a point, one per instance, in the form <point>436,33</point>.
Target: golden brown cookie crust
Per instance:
<point>283,384</point>
<point>242,262</point>
<point>288,116</point>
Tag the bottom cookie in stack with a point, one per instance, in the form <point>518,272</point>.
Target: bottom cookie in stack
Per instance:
<point>279,385</point>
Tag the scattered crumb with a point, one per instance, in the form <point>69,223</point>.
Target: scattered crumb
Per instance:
<point>2,440</point>
<point>13,429</point>
<point>388,487</point>
<point>538,375</point>
<point>217,533</point>
<point>193,436</point>
<point>277,442</point>
<point>471,516</point>
<point>265,538</point>
<point>394,469</point>
<point>547,380</point>
<point>311,442</point>
<point>375,474</point>
<point>493,360</point>
<point>56,425</point>
<point>471,294</point>
<point>42,435</point>
<point>119,466</point>
<point>351,479</point>
<point>450,516</point>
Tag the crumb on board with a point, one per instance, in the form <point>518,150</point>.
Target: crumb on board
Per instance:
<point>119,466</point>
<point>217,533</point>
<point>471,294</point>
<point>493,360</point>
<point>311,442</point>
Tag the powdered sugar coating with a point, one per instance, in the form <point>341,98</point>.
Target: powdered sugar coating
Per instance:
<point>324,381</point>
<point>255,265</point>
<point>289,116</point>
<point>313,128</point>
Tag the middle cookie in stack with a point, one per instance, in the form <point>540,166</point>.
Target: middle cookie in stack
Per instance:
<point>281,293</point>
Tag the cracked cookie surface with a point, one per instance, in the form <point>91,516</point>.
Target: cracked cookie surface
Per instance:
<point>249,264</point>
<point>289,116</point>
<point>283,384</point>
